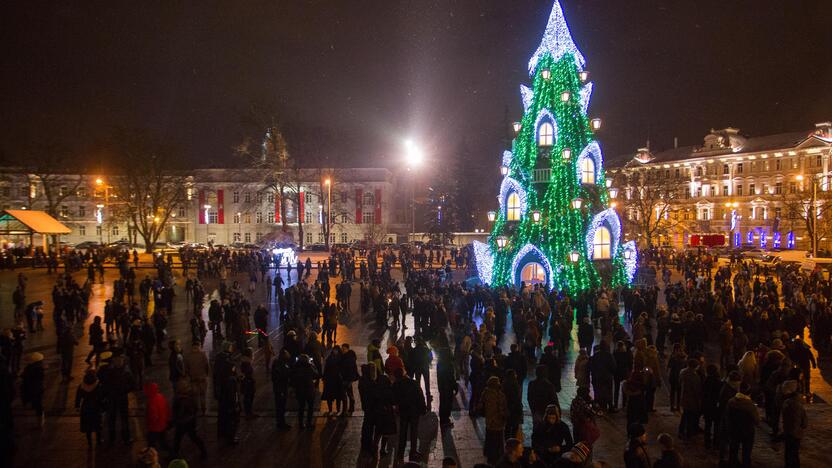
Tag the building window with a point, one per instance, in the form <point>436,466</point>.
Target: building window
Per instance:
<point>235,197</point>
<point>739,190</point>
<point>236,237</point>
<point>676,173</point>
<point>777,212</point>
<point>247,218</point>
<point>699,171</point>
<point>778,188</point>
<point>706,214</point>
<point>64,190</point>
<point>258,217</point>
<point>258,197</point>
<point>752,190</point>
<point>587,171</point>
<point>513,207</point>
<point>343,196</point>
<point>343,237</point>
<point>82,230</point>
<point>82,192</point>
<point>344,218</point>
<point>601,244</point>
<point>270,216</point>
<point>792,187</point>
<point>270,197</point>
<point>236,218</point>
<point>726,169</point>
<point>64,211</point>
<point>308,197</point>
<point>247,197</point>
<point>546,134</point>
<point>369,198</point>
<point>308,216</point>
<point>751,213</point>
<point>82,211</point>
<point>369,217</point>
<point>115,230</point>
<point>778,164</point>
<point>332,238</point>
<point>212,217</point>
<point>818,161</point>
<point>248,237</point>
<point>739,168</point>
<point>182,212</point>
<point>308,237</point>
<point>98,231</point>
<point>258,236</point>
<point>724,190</point>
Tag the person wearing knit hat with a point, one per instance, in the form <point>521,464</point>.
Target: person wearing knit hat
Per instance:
<point>578,454</point>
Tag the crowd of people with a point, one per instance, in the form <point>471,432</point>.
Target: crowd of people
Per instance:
<point>726,342</point>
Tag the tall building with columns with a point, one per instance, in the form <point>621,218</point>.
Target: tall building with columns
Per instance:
<point>732,189</point>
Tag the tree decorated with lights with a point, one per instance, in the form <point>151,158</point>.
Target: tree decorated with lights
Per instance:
<point>557,224</point>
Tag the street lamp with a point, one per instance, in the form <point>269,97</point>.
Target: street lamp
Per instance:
<point>536,216</point>
<point>574,256</point>
<point>504,170</point>
<point>596,123</point>
<point>577,203</point>
<point>566,154</point>
<point>492,215</point>
<point>414,158</point>
<point>584,75</point>
<point>613,192</point>
<point>628,254</point>
<point>517,126</point>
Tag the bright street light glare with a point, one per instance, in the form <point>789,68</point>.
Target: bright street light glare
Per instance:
<point>414,154</point>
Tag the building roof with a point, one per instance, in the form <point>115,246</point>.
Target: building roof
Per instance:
<point>38,222</point>
<point>735,144</point>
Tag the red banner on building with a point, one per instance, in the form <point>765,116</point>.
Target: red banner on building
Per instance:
<point>300,208</point>
<point>201,207</point>
<point>277,209</point>
<point>358,199</point>
<point>220,210</point>
<point>377,217</point>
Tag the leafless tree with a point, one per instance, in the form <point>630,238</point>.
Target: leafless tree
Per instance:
<point>798,210</point>
<point>51,177</point>
<point>649,204</point>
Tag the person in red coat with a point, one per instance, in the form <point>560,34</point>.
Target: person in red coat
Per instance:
<point>393,361</point>
<point>158,416</point>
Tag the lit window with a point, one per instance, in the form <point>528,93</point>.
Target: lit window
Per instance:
<point>601,244</point>
<point>248,237</point>
<point>236,237</point>
<point>82,230</point>
<point>513,207</point>
<point>115,230</point>
<point>587,171</point>
<point>546,134</point>
<point>533,273</point>
<point>343,237</point>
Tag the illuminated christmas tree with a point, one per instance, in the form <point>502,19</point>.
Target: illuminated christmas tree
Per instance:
<point>557,223</point>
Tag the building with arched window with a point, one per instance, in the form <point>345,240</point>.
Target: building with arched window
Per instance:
<point>513,207</point>
<point>546,134</point>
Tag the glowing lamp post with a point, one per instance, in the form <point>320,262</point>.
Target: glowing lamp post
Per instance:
<point>492,215</point>
<point>536,216</point>
<point>577,203</point>
<point>613,192</point>
<point>596,123</point>
<point>574,256</point>
<point>504,170</point>
<point>628,254</point>
<point>517,126</point>
<point>566,154</point>
<point>501,242</point>
<point>584,75</point>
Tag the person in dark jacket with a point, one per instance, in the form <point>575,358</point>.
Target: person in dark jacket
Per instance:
<point>602,371</point>
<point>691,399</point>
<point>671,458</point>
<point>514,401</point>
<point>349,374</point>
<point>794,421</point>
<point>89,400</point>
<point>710,402</point>
<point>410,401</point>
<point>248,385</point>
<point>228,409</point>
<point>116,384</point>
<point>367,392</point>
<point>184,418</point>
<point>304,381</point>
<point>729,388</point>
<point>420,358</point>
<point>66,347</point>
<point>636,455</point>
<point>552,437</point>
<point>176,362</point>
<point>743,417</point>
<point>333,381</point>
<point>448,387</point>
<point>541,393</point>
<point>623,367</point>
<point>384,417</point>
<point>281,374</point>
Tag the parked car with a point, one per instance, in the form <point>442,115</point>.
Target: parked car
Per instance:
<point>315,248</point>
<point>88,245</point>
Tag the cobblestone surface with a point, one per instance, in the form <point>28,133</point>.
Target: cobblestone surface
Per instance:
<point>334,440</point>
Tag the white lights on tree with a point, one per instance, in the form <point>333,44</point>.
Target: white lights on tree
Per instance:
<point>285,256</point>
<point>630,259</point>
<point>610,216</point>
<point>527,95</point>
<point>596,123</point>
<point>538,256</point>
<point>593,151</point>
<point>584,94</point>
<point>511,185</point>
<point>557,41</point>
<point>507,157</point>
<point>485,261</point>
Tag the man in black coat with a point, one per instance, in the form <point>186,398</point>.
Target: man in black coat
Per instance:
<point>516,360</point>
<point>411,404</point>
<point>349,374</point>
<point>280,386</point>
<point>446,377</point>
<point>420,358</point>
<point>602,371</point>
<point>366,391</point>
<point>116,384</point>
<point>304,379</point>
<point>541,394</point>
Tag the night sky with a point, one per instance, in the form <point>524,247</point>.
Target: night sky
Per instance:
<point>363,75</point>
